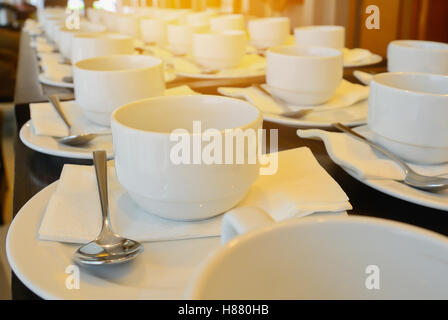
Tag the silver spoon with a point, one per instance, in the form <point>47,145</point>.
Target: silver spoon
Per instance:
<point>412,178</point>
<point>287,113</point>
<point>71,139</point>
<point>108,247</point>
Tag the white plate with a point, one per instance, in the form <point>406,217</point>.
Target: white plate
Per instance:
<point>351,116</point>
<point>49,145</point>
<point>374,59</point>
<point>245,70</point>
<point>161,272</point>
<point>435,200</point>
<point>54,83</point>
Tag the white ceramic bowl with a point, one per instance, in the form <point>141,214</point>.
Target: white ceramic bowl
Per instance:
<point>129,24</point>
<point>102,84</point>
<point>91,45</point>
<point>304,75</point>
<point>327,258</point>
<point>110,20</point>
<point>143,155</point>
<point>268,32</point>
<point>320,36</point>
<point>227,22</point>
<point>65,36</point>
<point>219,50</point>
<point>180,37</point>
<point>154,30</point>
<point>417,56</point>
<point>407,114</point>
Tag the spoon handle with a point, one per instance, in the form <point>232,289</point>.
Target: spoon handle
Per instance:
<point>54,101</point>
<point>100,162</point>
<point>388,154</point>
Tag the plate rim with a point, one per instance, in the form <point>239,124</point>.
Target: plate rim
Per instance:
<point>25,129</point>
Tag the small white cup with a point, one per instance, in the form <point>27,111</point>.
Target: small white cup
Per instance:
<point>408,115</point>
<point>417,56</point>
<point>200,18</point>
<point>91,45</point>
<point>143,147</point>
<point>321,36</point>
<point>154,30</point>
<point>219,50</point>
<point>227,22</point>
<point>304,75</point>
<point>65,36</point>
<point>110,20</point>
<point>129,24</point>
<point>102,84</point>
<point>180,37</point>
<point>268,32</point>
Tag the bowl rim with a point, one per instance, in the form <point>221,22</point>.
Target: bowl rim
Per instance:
<point>376,81</point>
<point>401,44</point>
<point>197,281</point>
<point>115,121</point>
<point>158,62</point>
<point>277,52</point>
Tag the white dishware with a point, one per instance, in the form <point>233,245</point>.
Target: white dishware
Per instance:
<point>227,22</point>
<point>303,75</point>
<point>417,56</point>
<point>322,260</point>
<point>50,145</point>
<point>90,45</point>
<point>320,36</point>
<point>219,50</point>
<point>129,24</point>
<point>51,23</point>
<point>268,32</point>
<point>154,31</point>
<point>110,20</point>
<point>55,82</point>
<point>179,37</point>
<point>145,167</point>
<point>195,18</point>
<point>102,84</point>
<point>407,113</point>
<point>65,36</point>
<point>94,15</point>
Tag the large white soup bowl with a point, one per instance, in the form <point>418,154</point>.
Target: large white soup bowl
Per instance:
<point>90,45</point>
<point>219,50</point>
<point>104,83</point>
<point>196,189</point>
<point>320,36</point>
<point>268,32</point>
<point>325,258</point>
<point>303,75</point>
<point>408,115</point>
<point>417,56</point>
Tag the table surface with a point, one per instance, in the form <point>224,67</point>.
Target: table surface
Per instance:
<point>34,171</point>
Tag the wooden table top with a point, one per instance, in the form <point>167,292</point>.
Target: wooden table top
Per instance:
<point>34,171</point>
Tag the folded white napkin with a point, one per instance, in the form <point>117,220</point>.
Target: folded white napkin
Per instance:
<point>251,64</point>
<point>47,122</point>
<point>346,94</point>
<point>300,187</point>
<point>356,55</point>
<point>359,157</point>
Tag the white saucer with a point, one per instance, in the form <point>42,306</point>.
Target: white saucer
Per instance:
<point>373,59</point>
<point>349,116</point>
<point>252,65</point>
<point>435,200</point>
<point>55,83</point>
<point>49,145</point>
<point>161,272</point>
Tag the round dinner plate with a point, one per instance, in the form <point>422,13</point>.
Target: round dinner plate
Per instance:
<point>373,59</point>
<point>351,116</point>
<point>50,145</point>
<point>162,271</point>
